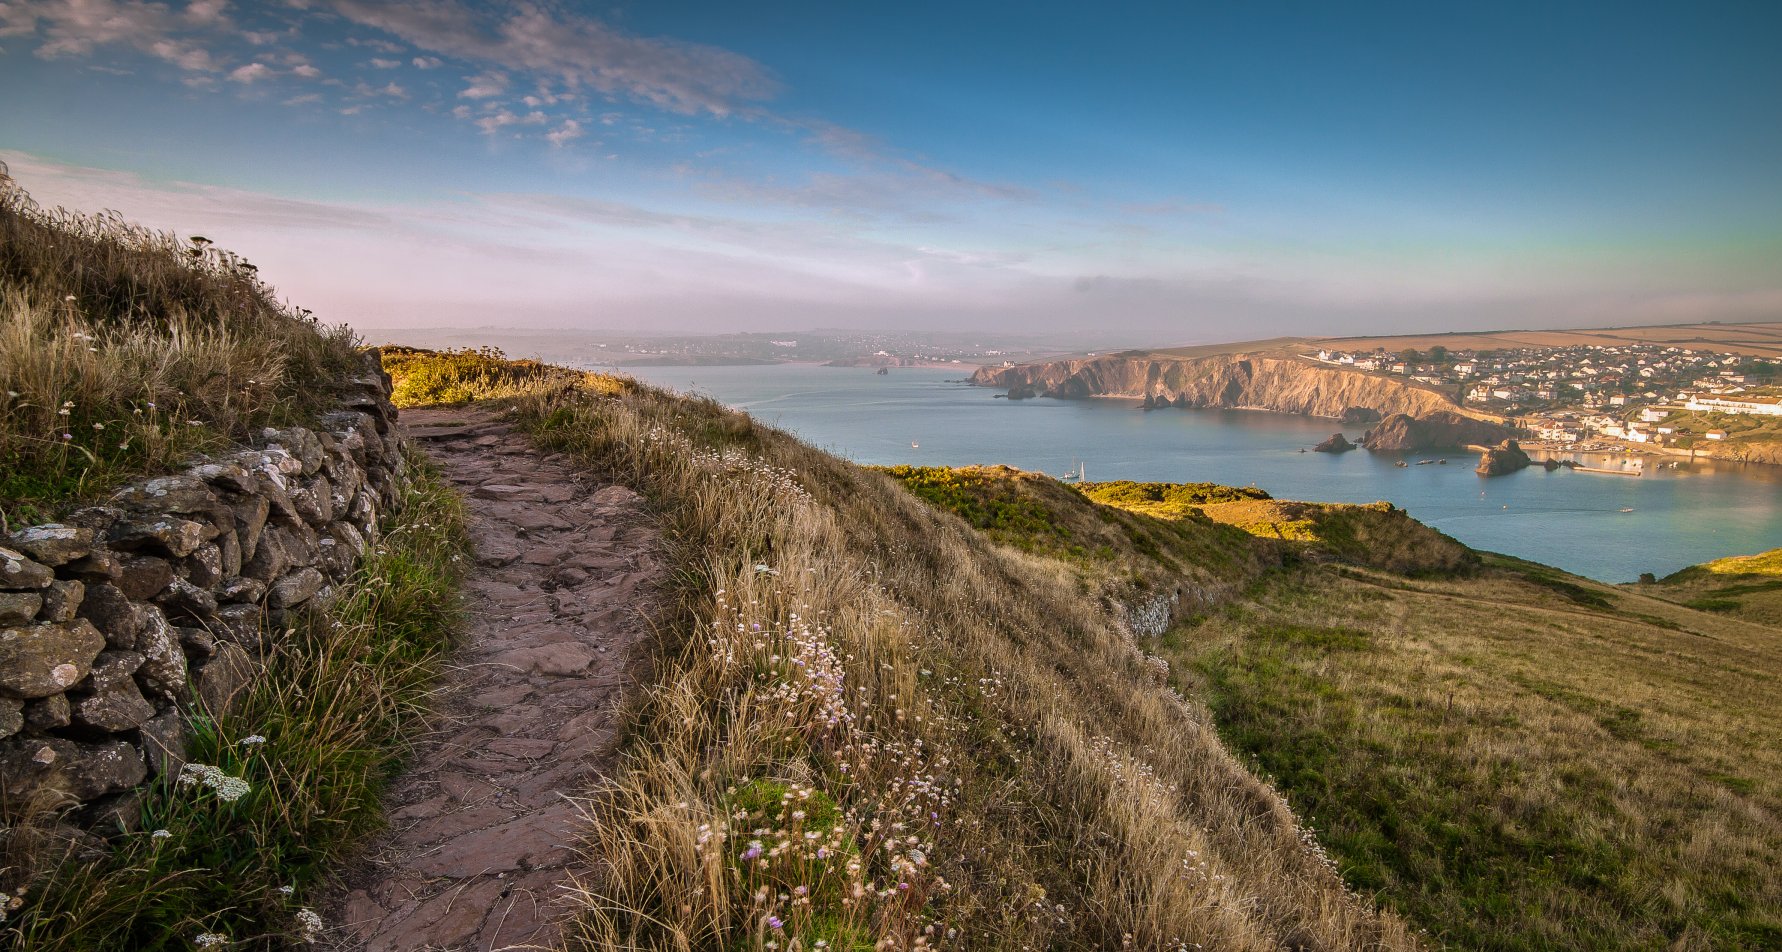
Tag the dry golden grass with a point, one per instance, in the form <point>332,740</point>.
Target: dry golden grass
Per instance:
<point>428,378</point>
<point>1741,586</point>
<point>123,350</point>
<point>869,726</point>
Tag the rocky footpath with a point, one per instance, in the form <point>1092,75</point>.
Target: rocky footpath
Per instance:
<point>125,619</point>
<point>1442,430</point>
<point>1279,382</point>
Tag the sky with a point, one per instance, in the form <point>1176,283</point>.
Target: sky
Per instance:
<point>1146,173</point>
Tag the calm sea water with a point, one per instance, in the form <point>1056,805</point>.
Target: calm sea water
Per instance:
<point>1569,519</point>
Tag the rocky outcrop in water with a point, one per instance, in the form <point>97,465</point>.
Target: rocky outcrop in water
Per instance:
<point>1282,383</point>
<point>1360,416</point>
<point>1338,443</point>
<point>1506,457</point>
<point>1441,430</point>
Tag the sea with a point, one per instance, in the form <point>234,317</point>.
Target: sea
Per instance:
<point>1606,527</point>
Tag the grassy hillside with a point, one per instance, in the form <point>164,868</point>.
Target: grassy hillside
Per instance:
<point>872,727</point>
<point>1509,756</point>
<point>1742,586</point>
<point>123,350</point>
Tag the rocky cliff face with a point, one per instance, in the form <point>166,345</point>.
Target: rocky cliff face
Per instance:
<point>1243,381</point>
<point>1441,430</point>
<point>1506,457</point>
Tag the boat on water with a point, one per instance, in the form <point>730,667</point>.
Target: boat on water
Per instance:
<point>1627,509</point>
<point>915,445</point>
<point>1401,464</point>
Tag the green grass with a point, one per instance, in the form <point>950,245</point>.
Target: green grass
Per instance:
<point>336,705</point>
<point>1167,500</point>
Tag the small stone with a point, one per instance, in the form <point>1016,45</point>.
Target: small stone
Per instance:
<point>179,493</point>
<point>49,713</point>
<point>53,544</point>
<point>61,600</point>
<point>295,588</point>
<point>198,642</point>
<point>226,475</point>
<point>269,560</point>
<point>11,716</point>
<point>144,576</point>
<point>17,608</point>
<point>164,739</point>
<point>229,553</point>
<point>19,572</point>
<point>97,565</point>
<point>204,567</point>
<point>111,611</point>
<point>250,518</point>
<point>223,678</point>
<point>113,667</point>
<point>240,624</point>
<point>183,600</point>
<point>163,672</point>
<point>97,518</point>
<point>301,444</point>
<point>170,534</point>
<point>41,660</point>
<point>120,707</point>
<point>54,768</point>
<point>241,589</point>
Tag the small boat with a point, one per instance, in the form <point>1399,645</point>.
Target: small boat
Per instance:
<point>915,445</point>
<point>1401,464</point>
<point>1425,462</point>
<point>1441,462</point>
<point>1627,509</point>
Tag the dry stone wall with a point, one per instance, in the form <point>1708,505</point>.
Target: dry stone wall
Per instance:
<point>124,621</point>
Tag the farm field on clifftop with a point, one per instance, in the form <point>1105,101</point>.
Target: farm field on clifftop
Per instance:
<point>1508,756</point>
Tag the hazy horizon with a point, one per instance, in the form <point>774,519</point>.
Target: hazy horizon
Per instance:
<point>1160,176</point>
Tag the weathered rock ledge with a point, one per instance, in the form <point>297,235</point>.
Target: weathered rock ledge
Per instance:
<point>120,623</point>
<point>1254,381</point>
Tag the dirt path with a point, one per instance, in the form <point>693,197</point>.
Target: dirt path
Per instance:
<point>481,837</point>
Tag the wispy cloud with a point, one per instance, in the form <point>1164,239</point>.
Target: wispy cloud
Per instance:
<point>576,51</point>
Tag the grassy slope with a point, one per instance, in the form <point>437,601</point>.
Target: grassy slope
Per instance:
<point>871,726</point>
<point>1511,757</point>
<point>1742,586</point>
<point>124,350</point>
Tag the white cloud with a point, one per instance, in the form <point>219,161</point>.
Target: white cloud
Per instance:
<point>306,71</point>
<point>485,86</point>
<point>380,63</point>
<point>566,133</point>
<point>579,51</point>
<point>428,62</point>
<point>304,100</point>
<point>251,73</point>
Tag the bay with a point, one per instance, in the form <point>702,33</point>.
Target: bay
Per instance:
<point>1609,528</point>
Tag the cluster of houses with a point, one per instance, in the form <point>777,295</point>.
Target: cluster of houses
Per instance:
<point>1575,394</point>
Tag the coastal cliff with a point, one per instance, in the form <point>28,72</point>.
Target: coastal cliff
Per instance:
<point>1278,382</point>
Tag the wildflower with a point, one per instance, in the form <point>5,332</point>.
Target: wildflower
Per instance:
<point>309,924</point>
<point>753,851</point>
<point>62,412</point>
<point>98,426</point>
<point>151,404</point>
<point>160,835</point>
<point>286,890</point>
<point>228,789</point>
<point>69,298</point>
<point>774,923</point>
<point>251,740</point>
<point>205,940</point>
<point>68,436</point>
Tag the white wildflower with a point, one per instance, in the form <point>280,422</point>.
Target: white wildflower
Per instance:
<point>309,925</point>
<point>251,740</point>
<point>228,789</point>
<point>160,835</point>
<point>205,940</point>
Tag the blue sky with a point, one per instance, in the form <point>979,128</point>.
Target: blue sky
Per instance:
<point>1152,173</point>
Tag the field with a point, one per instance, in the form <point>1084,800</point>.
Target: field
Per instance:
<point>1507,756</point>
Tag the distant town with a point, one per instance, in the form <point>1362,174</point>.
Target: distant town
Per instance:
<point>1596,397</point>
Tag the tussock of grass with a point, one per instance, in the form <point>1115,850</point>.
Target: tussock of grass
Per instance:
<point>123,350</point>
<point>426,378</point>
<point>1167,500</point>
<point>966,753</point>
<point>335,705</point>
